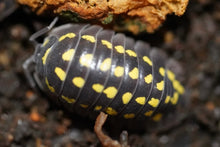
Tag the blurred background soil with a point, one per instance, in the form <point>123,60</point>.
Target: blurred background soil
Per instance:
<point>28,118</point>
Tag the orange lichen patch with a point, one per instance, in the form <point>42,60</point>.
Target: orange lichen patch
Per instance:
<point>154,13</point>
<point>149,12</point>
<point>93,9</point>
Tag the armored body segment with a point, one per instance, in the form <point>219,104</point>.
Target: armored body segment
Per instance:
<point>165,95</point>
<point>92,70</point>
<point>40,56</point>
<point>158,84</point>
<point>144,84</point>
<point>129,83</point>
<point>80,65</point>
<point>115,77</point>
<point>99,74</point>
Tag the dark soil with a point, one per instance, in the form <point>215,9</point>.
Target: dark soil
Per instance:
<point>28,118</point>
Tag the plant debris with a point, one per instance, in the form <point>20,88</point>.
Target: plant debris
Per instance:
<point>131,15</point>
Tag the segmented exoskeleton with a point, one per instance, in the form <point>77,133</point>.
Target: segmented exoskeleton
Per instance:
<point>91,69</point>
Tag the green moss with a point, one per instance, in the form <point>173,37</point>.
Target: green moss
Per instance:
<point>125,24</point>
<point>72,16</point>
<point>108,19</point>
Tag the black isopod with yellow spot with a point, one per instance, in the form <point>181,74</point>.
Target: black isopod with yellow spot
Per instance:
<point>90,70</point>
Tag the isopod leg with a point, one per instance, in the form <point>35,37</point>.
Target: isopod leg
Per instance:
<point>43,31</point>
<point>124,139</point>
<point>26,66</point>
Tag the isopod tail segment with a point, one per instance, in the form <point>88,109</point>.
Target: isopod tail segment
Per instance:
<point>30,61</point>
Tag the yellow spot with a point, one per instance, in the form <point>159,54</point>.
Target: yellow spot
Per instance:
<point>69,100</point>
<point>160,85</point>
<point>86,60</point>
<point>175,98</point>
<point>171,75</point>
<point>140,100</point>
<point>67,56</point>
<point>45,42</point>
<point>49,87</point>
<point>129,116</point>
<point>97,87</point>
<point>134,73</point>
<point>60,73</point>
<point>78,82</point>
<point>178,86</point>
<point>120,49</point>
<point>154,102</point>
<point>167,99</point>
<point>106,64</point>
<point>89,38</point>
<point>110,92</point>
<point>131,53</point>
<point>111,111</point>
<point>126,97</point>
<point>44,58</point>
<point>147,60</point>
<point>148,113</point>
<point>119,71</point>
<point>148,79</point>
<point>162,71</point>
<point>68,35</point>
<point>97,108</point>
<point>107,43</point>
<point>157,117</point>
<point>84,105</point>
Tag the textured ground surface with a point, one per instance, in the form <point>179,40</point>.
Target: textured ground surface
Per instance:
<point>27,119</point>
